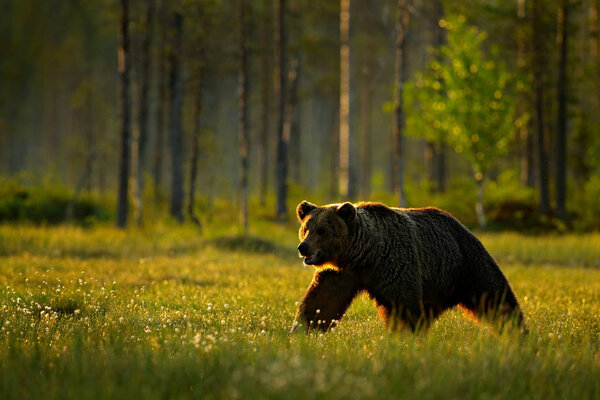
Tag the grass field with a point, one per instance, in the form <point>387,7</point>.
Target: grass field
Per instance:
<point>168,313</point>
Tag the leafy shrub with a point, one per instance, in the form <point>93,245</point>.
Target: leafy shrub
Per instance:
<point>585,207</point>
<point>508,206</point>
<point>46,204</point>
<point>512,206</point>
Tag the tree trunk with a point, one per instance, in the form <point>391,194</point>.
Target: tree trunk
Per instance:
<point>438,149</point>
<point>293,114</point>
<point>141,139</point>
<point>365,134</point>
<point>399,125</point>
<point>294,120</point>
<point>561,138</point>
<point>243,118</point>
<point>344,141</point>
<point>539,109</point>
<point>195,155</point>
<point>123,196</point>
<point>176,129</point>
<point>594,31</point>
<point>282,143</point>
<point>334,152</point>
<point>90,154</point>
<point>290,125</point>
<point>429,160</point>
<point>527,166</point>
<point>157,168</point>
<point>263,143</point>
<point>440,166</point>
<point>196,138</point>
<point>525,132</point>
<point>479,210</point>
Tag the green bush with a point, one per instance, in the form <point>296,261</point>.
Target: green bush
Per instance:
<point>47,204</point>
<point>510,205</point>
<point>584,209</point>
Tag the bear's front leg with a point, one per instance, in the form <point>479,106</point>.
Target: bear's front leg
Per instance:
<point>328,296</point>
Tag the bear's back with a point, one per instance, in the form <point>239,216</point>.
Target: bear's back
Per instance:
<point>436,238</point>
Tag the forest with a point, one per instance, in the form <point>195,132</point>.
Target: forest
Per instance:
<point>154,159</point>
<point>487,109</point>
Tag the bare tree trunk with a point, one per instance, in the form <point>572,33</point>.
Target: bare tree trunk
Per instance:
<point>123,201</point>
<point>196,138</point>
<point>479,210</point>
<point>526,165</point>
<point>429,157</point>
<point>334,138</point>
<point>263,144</point>
<point>344,141</point>
<point>530,149</point>
<point>294,120</point>
<point>561,137</point>
<point>176,129</point>
<point>91,140</point>
<point>141,139</point>
<point>594,53</point>
<point>6,143</point>
<point>365,134</point>
<point>437,151</point>
<point>392,181</point>
<point>334,151</point>
<point>157,169</point>
<point>539,109</point>
<point>195,155</point>
<point>440,166</point>
<point>399,126</point>
<point>290,126</point>
<point>594,31</point>
<point>282,141</point>
<point>243,117</point>
<point>86,177</point>
<point>292,104</point>
<point>525,132</point>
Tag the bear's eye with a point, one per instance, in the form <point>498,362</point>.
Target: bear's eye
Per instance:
<point>320,231</point>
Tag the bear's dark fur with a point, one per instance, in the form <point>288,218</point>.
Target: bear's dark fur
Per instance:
<point>416,263</point>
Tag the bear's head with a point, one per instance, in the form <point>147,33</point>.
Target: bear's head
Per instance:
<point>324,233</point>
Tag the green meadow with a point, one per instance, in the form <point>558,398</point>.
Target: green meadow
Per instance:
<point>167,312</point>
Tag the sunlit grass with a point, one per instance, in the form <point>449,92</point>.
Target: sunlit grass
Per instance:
<point>171,313</point>
<point>563,249</point>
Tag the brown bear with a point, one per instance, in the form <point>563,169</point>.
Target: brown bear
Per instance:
<point>416,263</point>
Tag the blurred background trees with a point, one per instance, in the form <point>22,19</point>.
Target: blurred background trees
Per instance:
<point>507,93</point>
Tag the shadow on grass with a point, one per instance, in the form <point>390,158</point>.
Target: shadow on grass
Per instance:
<point>102,250</point>
<point>253,244</point>
<point>147,281</point>
<point>63,306</point>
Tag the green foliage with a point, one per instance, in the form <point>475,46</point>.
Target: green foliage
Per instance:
<point>509,204</point>
<point>464,98</point>
<point>512,206</point>
<point>47,204</point>
<point>458,199</point>
<point>163,313</point>
<point>585,208</point>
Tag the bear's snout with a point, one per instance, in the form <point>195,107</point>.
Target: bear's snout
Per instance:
<point>303,249</point>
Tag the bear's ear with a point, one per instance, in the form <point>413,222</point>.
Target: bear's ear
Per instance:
<point>347,212</point>
<point>304,209</point>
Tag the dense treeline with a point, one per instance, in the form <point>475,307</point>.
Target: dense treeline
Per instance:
<point>458,104</point>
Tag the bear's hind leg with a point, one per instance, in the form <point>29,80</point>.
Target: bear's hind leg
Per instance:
<point>495,304</point>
